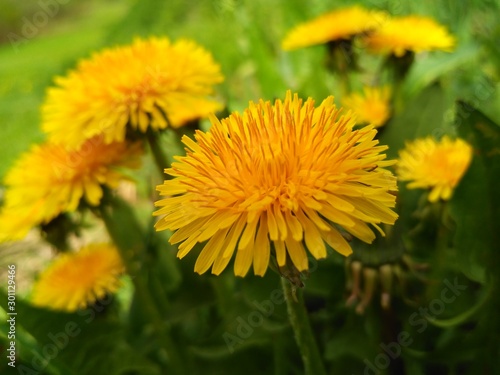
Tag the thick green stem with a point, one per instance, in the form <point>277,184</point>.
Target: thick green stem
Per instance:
<point>299,320</point>
<point>159,156</point>
<point>343,72</point>
<point>397,97</point>
<point>399,68</point>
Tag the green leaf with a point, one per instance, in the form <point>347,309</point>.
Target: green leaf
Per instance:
<point>475,205</point>
<point>88,342</point>
<point>422,116</point>
<point>425,71</point>
<point>349,342</point>
<point>27,350</point>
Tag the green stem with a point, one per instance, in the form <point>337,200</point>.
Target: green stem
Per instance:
<point>299,321</point>
<point>345,87</point>
<point>343,72</point>
<point>399,68</point>
<point>159,156</point>
<point>340,61</point>
<point>397,97</point>
<point>280,359</point>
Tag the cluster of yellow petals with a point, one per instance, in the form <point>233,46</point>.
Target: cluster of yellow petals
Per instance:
<point>434,165</point>
<point>152,83</point>
<point>75,280</point>
<point>370,107</point>
<point>380,32</point>
<point>276,180</point>
<point>411,33</point>
<point>49,180</point>
<point>335,25</point>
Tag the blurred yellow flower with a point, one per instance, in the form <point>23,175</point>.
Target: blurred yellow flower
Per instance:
<point>411,33</point>
<point>276,180</point>
<point>438,166</point>
<point>75,280</point>
<point>335,25</point>
<point>371,107</point>
<point>49,180</point>
<point>150,84</point>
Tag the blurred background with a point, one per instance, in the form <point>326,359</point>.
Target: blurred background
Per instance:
<point>42,39</point>
<point>244,37</point>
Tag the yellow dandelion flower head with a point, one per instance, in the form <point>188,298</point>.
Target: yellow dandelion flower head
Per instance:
<point>286,174</point>
<point>49,180</point>
<point>75,280</point>
<point>438,166</point>
<point>152,83</point>
<point>335,25</point>
<point>371,107</point>
<point>410,33</point>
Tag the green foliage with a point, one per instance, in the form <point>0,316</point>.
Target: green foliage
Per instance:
<point>167,319</point>
<point>476,239</point>
<point>74,343</point>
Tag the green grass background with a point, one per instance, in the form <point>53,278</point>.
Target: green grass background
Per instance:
<point>244,37</point>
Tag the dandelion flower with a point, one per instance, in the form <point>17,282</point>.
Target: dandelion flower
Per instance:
<point>433,165</point>
<point>75,280</point>
<point>287,175</point>
<point>150,84</point>
<point>49,180</point>
<point>412,33</point>
<point>341,24</point>
<point>371,107</point>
